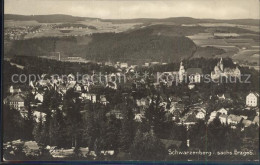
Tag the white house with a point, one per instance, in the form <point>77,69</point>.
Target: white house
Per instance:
<point>212,116</point>
<point>252,99</point>
<point>89,96</point>
<point>39,96</point>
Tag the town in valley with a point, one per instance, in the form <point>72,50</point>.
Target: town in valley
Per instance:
<point>78,88</point>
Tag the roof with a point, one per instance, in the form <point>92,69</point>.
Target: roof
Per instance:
<point>223,116</point>
<point>254,93</point>
<point>194,71</point>
<point>169,143</point>
<point>235,117</point>
<point>14,98</point>
<point>191,118</point>
<point>222,109</point>
<point>247,122</point>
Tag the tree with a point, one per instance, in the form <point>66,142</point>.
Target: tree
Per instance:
<point>127,130</point>
<point>38,132</point>
<point>155,115</point>
<point>29,120</point>
<point>146,146</point>
<point>13,124</point>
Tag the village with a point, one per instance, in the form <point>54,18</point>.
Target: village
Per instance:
<point>186,109</point>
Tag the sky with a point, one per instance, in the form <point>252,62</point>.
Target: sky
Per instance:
<point>127,9</point>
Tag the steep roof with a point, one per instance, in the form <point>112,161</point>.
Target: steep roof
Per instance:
<point>15,98</point>
<point>254,93</point>
<point>194,71</point>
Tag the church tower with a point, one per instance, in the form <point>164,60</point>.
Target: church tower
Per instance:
<point>181,72</point>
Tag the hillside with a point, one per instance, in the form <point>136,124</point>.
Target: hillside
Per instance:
<point>55,18</point>
<point>139,45</point>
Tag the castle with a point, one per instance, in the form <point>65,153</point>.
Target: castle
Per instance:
<point>220,71</point>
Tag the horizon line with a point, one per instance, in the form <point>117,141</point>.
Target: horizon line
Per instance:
<point>133,18</point>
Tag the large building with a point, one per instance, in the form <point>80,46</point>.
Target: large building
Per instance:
<point>15,101</point>
<point>220,71</point>
<point>252,99</point>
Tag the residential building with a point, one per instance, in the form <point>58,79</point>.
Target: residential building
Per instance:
<point>194,75</point>
<point>234,119</point>
<point>223,118</point>
<point>246,123</point>
<point>252,99</point>
<point>39,97</point>
<point>15,101</point>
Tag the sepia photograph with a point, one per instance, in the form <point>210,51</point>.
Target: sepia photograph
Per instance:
<point>130,81</point>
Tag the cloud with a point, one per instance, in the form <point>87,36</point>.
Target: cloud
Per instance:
<point>219,9</point>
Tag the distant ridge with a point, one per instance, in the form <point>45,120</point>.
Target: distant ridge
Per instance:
<point>55,18</point>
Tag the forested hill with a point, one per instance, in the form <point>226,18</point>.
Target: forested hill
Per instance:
<point>55,18</point>
<point>139,45</point>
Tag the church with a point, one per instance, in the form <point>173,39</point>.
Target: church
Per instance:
<point>220,71</point>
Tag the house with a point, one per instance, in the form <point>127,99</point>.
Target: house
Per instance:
<point>246,123</point>
<point>256,120</point>
<point>244,117</point>
<point>138,117</point>
<point>191,86</point>
<point>89,96</point>
<point>43,83</point>
<point>62,88</point>
<point>111,85</point>
<point>222,111</point>
<point>39,96</point>
<point>252,99</point>
<point>224,96</point>
<point>77,88</point>
<point>15,101</point>
<point>190,120</point>
<point>223,118</point>
<point>103,100</point>
<point>70,77</point>
<point>234,119</point>
<point>212,116</point>
<point>118,114</point>
<point>123,65</point>
<point>13,90</point>
<point>142,102</point>
<point>201,115</point>
<point>38,115</point>
<point>194,75</point>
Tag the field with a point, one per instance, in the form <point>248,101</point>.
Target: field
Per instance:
<point>242,48</point>
<point>47,29</point>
